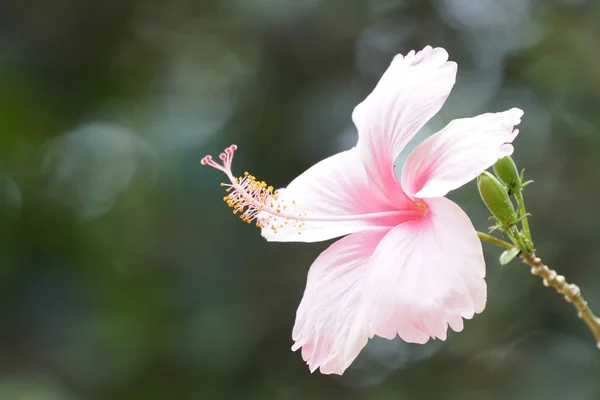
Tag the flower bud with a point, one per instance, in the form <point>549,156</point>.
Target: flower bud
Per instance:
<point>507,172</point>
<point>495,197</point>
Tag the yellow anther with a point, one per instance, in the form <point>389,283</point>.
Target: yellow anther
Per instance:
<point>251,197</point>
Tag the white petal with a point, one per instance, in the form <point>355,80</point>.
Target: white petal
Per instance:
<point>426,275</point>
<point>330,199</point>
<point>329,327</point>
<point>411,91</point>
<point>459,153</point>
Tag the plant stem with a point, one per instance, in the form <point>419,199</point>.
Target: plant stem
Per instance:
<point>519,240</point>
<point>571,292</point>
<point>494,240</point>
<point>523,215</point>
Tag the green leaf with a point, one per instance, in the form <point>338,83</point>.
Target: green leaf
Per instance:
<point>508,255</point>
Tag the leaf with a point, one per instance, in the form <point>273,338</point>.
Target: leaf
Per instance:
<point>508,255</point>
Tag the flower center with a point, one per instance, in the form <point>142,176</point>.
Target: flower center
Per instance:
<point>421,205</point>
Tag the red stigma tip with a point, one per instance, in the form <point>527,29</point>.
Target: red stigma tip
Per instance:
<point>205,160</point>
<point>222,156</point>
<point>233,147</point>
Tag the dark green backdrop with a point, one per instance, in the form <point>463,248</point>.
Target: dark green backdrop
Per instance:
<point>124,276</point>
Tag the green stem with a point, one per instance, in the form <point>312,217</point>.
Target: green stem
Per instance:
<point>518,239</point>
<point>494,240</point>
<point>571,292</point>
<point>523,215</point>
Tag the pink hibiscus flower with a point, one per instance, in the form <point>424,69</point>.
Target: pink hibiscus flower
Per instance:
<point>411,263</point>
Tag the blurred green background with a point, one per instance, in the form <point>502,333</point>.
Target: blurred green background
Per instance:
<point>124,276</point>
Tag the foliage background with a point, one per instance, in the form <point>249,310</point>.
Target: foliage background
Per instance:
<point>124,276</point>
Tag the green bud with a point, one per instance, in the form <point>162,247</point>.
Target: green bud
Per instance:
<point>495,197</point>
<point>507,172</point>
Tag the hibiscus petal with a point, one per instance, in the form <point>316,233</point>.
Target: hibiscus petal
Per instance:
<point>329,327</point>
<point>330,199</point>
<point>410,92</point>
<point>459,153</point>
<point>426,275</point>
